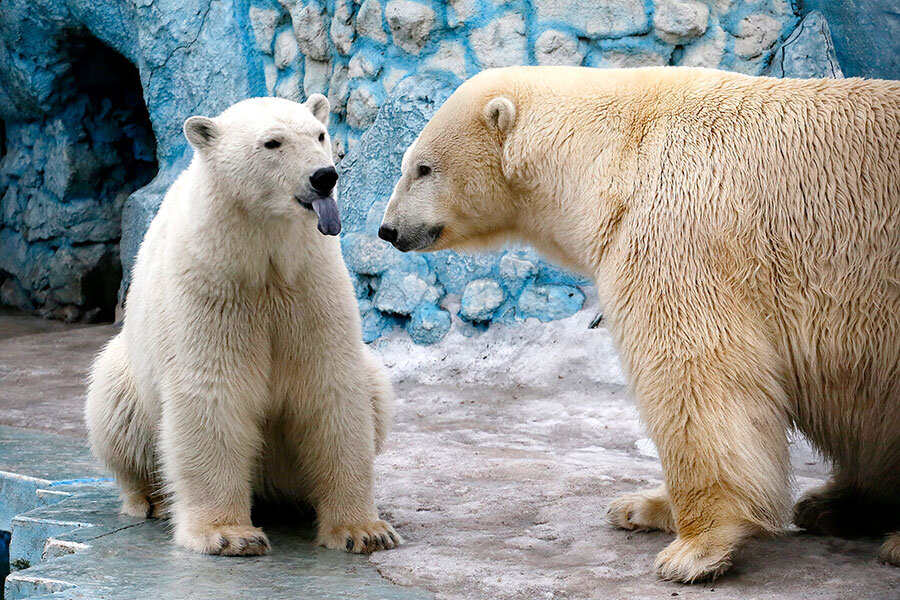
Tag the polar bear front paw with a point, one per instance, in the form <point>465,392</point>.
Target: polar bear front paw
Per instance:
<point>225,540</point>
<point>644,511</point>
<point>688,560</point>
<point>360,538</point>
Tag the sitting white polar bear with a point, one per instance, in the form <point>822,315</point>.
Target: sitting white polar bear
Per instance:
<point>240,368</point>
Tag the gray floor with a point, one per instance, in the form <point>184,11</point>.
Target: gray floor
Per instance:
<point>507,447</point>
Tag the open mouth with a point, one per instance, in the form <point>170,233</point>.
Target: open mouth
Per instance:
<point>326,210</point>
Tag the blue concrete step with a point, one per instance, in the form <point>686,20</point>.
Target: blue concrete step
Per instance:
<point>69,542</point>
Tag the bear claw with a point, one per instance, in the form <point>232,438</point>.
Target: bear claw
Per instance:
<point>226,540</point>
<point>360,539</point>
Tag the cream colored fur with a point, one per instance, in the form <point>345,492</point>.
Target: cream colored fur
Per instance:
<point>744,234</point>
<point>240,369</point>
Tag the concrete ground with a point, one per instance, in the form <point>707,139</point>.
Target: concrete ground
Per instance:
<point>506,449</point>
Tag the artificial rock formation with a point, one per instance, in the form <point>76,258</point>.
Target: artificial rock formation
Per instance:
<point>82,174</point>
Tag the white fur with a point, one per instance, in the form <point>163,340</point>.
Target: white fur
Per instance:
<point>744,234</point>
<point>240,368</point>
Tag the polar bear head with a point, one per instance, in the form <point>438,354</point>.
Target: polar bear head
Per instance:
<point>453,192</point>
<point>273,156</point>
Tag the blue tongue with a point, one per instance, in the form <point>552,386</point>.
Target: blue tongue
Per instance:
<point>329,217</point>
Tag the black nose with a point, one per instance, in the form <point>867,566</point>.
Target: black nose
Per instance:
<point>387,233</point>
<point>323,180</point>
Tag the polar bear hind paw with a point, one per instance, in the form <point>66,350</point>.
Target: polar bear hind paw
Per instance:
<point>360,538</point>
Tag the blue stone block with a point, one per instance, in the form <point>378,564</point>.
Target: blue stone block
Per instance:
<point>516,272</point>
<point>375,325</point>
<point>454,270</point>
<point>480,299</point>
<point>549,302</point>
<point>401,293</point>
<point>428,325</point>
<point>361,286</point>
<point>368,255</point>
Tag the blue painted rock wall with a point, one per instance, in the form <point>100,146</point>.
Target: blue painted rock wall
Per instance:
<point>385,66</point>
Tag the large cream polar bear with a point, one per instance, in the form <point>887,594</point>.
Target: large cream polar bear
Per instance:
<point>240,368</point>
<point>744,234</point>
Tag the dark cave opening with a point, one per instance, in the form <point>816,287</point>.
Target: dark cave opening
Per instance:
<point>104,99</point>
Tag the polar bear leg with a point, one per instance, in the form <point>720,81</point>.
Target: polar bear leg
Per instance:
<point>121,435</point>
<point>837,508</point>
<point>719,420</point>
<point>213,405</point>
<point>338,462</point>
<point>382,402</point>
<point>840,508</point>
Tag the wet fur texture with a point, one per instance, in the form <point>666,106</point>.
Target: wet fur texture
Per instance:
<point>240,369</point>
<point>744,234</point>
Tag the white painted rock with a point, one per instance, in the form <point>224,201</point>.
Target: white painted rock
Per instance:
<point>285,49</point>
<point>368,21</point>
<point>289,87</point>
<point>361,108</point>
<point>597,18</point>
<point>315,76</point>
<point>309,29</point>
<point>262,21</point>
<point>706,52</point>
<point>342,32</point>
<point>557,48</point>
<point>755,35</point>
<point>679,20</point>
<point>501,43</point>
<point>338,88</point>
<point>410,24</point>
<point>451,56</point>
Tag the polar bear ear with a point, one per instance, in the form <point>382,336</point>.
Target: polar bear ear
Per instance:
<point>201,132</point>
<point>318,105</point>
<point>500,114</point>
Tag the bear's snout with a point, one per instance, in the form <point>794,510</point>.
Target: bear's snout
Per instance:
<point>323,180</point>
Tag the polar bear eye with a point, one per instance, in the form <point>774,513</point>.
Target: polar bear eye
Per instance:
<point>272,144</point>
<point>424,170</point>
<point>322,137</point>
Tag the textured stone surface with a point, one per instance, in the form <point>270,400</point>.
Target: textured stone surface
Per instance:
<point>480,299</point>
<point>679,20</point>
<point>66,531</point>
<point>506,448</point>
<point>410,24</point>
<point>755,34</point>
<point>501,43</point>
<point>549,302</point>
<point>198,56</point>
<point>309,29</point>
<point>450,56</point>
<point>368,21</point>
<point>557,48</point>
<point>263,21</point>
<point>598,18</point>
<point>808,52</point>
<point>428,325</point>
<point>866,35</point>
